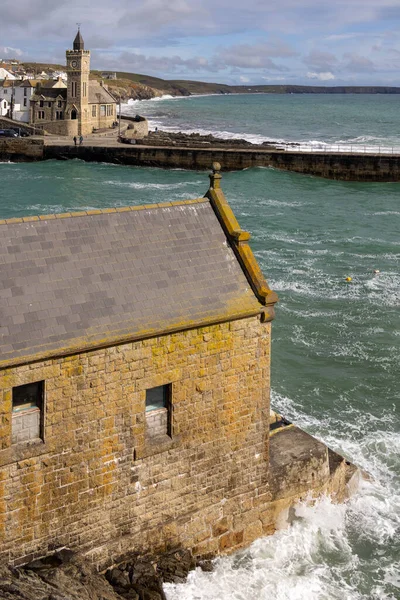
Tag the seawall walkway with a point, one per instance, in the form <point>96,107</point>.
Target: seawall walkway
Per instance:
<point>332,165</point>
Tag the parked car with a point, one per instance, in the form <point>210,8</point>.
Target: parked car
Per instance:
<point>8,133</point>
<point>21,132</point>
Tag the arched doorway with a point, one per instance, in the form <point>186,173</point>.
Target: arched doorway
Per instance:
<point>73,114</point>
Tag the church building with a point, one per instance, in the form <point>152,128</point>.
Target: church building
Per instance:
<point>80,107</point>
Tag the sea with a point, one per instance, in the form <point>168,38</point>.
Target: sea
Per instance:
<point>336,344</point>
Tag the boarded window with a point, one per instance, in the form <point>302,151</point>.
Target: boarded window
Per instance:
<point>158,411</point>
<point>27,412</point>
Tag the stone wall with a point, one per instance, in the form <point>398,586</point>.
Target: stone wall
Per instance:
<point>348,167</point>
<point>137,129</point>
<point>98,483</point>
<point>63,127</point>
<point>23,149</point>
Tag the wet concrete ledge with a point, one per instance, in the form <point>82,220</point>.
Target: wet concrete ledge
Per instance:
<point>341,166</point>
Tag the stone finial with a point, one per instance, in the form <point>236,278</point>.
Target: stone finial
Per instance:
<point>215,177</point>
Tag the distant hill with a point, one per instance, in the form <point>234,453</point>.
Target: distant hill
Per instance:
<point>140,87</point>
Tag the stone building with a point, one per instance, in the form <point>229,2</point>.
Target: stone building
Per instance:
<point>134,381</point>
<point>81,106</point>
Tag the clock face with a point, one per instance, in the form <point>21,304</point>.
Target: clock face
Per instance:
<point>74,64</point>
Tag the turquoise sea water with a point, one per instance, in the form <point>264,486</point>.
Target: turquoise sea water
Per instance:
<point>352,121</point>
<point>335,354</point>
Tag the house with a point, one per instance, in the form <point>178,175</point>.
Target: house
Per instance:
<point>23,93</point>
<point>4,106</point>
<point>79,107</point>
<point>6,74</point>
<point>134,381</point>
<point>109,75</point>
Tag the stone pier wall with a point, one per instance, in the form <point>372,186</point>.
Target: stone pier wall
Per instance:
<point>348,167</point>
<point>21,149</point>
<point>96,482</point>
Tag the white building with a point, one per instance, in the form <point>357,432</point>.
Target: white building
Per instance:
<point>17,94</point>
<point>4,74</point>
<point>4,106</point>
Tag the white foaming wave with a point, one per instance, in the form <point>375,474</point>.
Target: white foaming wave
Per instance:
<point>383,213</point>
<point>308,561</point>
<point>152,186</point>
<point>271,202</point>
<point>133,103</point>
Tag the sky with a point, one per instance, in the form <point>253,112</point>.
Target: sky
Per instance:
<point>249,42</point>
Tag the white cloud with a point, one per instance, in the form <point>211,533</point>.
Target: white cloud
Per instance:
<point>244,79</point>
<point>327,76</point>
<point>8,51</point>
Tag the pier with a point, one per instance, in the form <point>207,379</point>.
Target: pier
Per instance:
<point>346,166</point>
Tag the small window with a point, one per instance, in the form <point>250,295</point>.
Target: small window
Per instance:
<point>59,115</point>
<point>25,91</point>
<point>41,103</point>
<point>40,114</point>
<point>27,412</point>
<point>59,104</point>
<point>158,411</point>
<point>102,110</point>
<point>49,104</point>
<point>25,101</point>
<point>93,110</point>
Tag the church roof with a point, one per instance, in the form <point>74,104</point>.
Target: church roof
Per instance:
<point>84,280</point>
<point>78,41</point>
<point>49,94</point>
<point>98,93</point>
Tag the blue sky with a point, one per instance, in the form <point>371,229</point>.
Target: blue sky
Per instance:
<point>352,42</point>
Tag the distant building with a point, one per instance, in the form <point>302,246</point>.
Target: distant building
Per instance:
<point>109,75</point>
<point>78,107</point>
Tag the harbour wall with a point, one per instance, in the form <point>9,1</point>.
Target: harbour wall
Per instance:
<point>341,166</point>
<point>348,167</point>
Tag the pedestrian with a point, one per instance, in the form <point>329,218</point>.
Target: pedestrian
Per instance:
<point>75,139</point>
<point>80,140</point>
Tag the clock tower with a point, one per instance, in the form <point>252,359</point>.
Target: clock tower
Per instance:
<point>78,70</point>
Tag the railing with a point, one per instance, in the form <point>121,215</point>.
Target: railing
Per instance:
<point>343,149</point>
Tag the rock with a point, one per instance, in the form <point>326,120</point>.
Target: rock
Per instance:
<point>61,576</point>
<point>118,578</point>
<point>175,566</point>
<point>206,565</point>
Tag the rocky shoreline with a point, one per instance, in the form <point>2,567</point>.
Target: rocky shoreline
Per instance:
<point>66,575</point>
<point>195,140</point>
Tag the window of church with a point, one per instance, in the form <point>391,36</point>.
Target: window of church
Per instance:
<point>94,112</point>
<point>25,101</point>
<point>84,89</point>
<point>158,411</point>
<point>41,103</point>
<point>59,115</point>
<point>40,114</point>
<point>103,110</point>
<point>27,412</point>
<point>74,89</point>
<point>59,104</point>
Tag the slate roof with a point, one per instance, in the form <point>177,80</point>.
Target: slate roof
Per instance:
<point>73,282</point>
<point>78,41</point>
<point>98,93</point>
